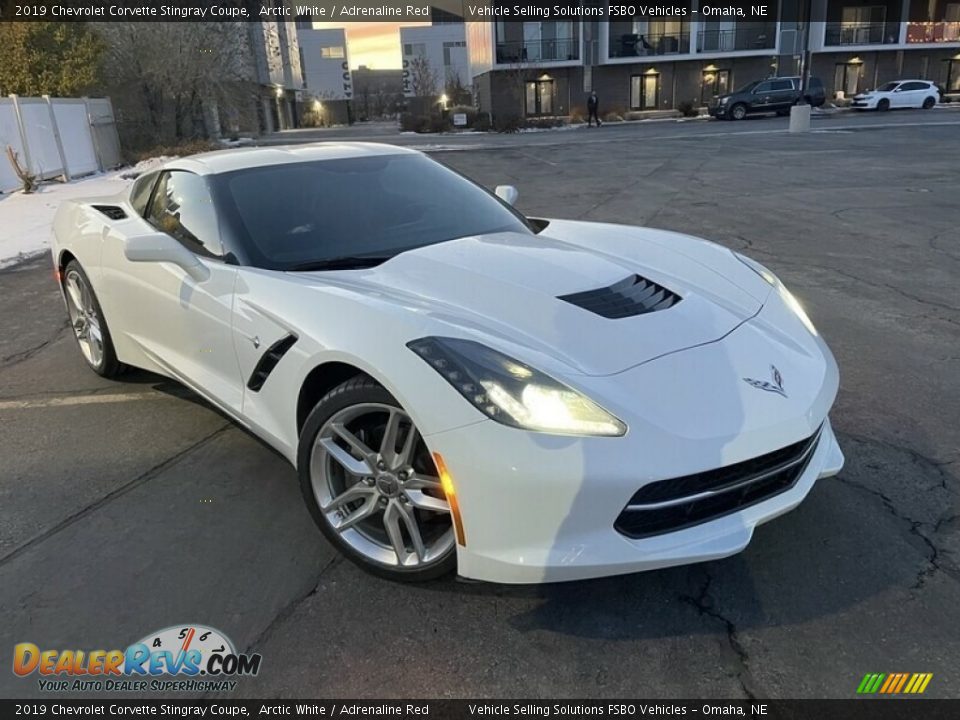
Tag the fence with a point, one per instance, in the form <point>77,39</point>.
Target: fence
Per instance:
<point>57,137</point>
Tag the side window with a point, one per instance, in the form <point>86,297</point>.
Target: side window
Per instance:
<point>780,85</point>
<point>763,87</point>
<point>182,207</point>
<point>914,86</point>
<point>140,193</point>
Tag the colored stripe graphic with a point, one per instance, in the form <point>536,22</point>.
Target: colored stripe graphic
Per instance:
<point>894,683</point>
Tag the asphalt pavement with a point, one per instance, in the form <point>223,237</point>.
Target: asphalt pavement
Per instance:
<point>130,506</point>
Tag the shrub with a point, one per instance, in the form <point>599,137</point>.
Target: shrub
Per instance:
<point>688,109</point>
<point>578,116</point>
<point>181,149</point>
<point>508,124</point>
<point>613,117</point>
<point>481,122</point>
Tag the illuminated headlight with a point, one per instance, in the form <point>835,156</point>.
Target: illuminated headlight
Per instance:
<point>788,298</point>
<point>723,100</point>
<point>513,393</point>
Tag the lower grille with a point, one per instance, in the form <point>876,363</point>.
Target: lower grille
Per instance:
<point>670,505</point>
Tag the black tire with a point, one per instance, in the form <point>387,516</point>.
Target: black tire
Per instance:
<point>883,105</point>
<point>928,103</point>
<point>359,390</point>
<point>108,365</point>
<point>737,112</point>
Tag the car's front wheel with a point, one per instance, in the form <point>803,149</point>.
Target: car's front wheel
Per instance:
<point>87,322</point>
<point>738,111</point>
<point>371,484</point>
<point>883,105</point>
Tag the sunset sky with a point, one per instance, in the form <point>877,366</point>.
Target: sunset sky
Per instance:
<point>374,44</point>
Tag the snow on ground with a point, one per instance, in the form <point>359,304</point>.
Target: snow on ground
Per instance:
<point>26,220</point>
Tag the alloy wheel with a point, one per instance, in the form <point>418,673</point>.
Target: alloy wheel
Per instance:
<point>377,487</point>
<point>83,318</point>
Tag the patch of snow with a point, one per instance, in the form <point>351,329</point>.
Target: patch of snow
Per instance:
<point>26,220</point>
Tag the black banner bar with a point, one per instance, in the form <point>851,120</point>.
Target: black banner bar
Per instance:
<point>401,11</point>
<point>873,708</point>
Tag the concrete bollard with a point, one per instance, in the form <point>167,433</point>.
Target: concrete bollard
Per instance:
<point>800,118</point>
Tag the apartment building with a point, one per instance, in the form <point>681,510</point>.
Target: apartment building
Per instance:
<point>644,64</point>
<point>443,49</point>
<point>328,83</point>
<point>276,55</point>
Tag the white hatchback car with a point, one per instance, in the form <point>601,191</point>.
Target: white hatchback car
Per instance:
<point>899,94</point>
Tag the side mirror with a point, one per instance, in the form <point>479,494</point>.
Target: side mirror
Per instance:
<point>159,247</point>
<point>507,193</point>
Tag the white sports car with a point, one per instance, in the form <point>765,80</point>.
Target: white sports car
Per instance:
<point>461,387</point>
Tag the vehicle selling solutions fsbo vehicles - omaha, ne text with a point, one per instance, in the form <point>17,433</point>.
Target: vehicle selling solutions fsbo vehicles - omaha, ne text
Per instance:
<point>461,387</point>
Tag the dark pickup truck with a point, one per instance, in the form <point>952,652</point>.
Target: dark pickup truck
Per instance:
<point>776,94</point>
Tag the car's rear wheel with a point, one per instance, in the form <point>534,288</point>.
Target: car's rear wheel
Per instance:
<point>928,103</point>
<point>371,485</point>
<point>88,324</point>
<point>738,111</point>
<point>883,105</point>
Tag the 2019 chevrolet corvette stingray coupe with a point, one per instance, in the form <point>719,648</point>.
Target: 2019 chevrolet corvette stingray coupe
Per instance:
<point>461,387</point>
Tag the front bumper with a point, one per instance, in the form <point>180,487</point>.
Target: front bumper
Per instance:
<point>542,508</point>
<point>553,520</point>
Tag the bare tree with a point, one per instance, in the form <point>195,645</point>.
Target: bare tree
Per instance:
<point>423,79</point>
<point>171,79</point>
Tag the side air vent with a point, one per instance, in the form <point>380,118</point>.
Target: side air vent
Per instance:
<point>269,361</point>
<point>631,296</point>
<point>111,211</point>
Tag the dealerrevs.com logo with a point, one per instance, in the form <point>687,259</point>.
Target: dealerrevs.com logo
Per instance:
<point>181,658</point>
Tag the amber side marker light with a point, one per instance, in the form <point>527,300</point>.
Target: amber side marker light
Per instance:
<point>446,482</point>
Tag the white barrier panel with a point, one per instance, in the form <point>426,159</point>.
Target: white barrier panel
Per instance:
<point>9,135</point>
<point>45,160</point>
<point>64,136</point>
<point>76,138</point>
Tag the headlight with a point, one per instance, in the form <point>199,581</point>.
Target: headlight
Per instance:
<point>723,100</point>
<point>789,300</point>
<point>512,393</point>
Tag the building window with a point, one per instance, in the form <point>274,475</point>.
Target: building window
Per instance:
<point>952,84</point>
<point>335,51</point>
<point>539,97</point>
<point>862,25</point>
<point>715,82</point>
<point>645,91</point>
<point>415,49</point>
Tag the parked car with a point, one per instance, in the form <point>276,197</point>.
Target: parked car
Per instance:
<point>461,387</point>
<point>899,94</point>
<point>777,95</point>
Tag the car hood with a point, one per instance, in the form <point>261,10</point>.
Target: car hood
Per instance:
<point>507,286</point>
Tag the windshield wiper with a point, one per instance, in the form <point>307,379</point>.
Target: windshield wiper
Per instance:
<point>345,262</point>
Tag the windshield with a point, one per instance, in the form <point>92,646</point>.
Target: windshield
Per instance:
<point>303,214</point>
<point>889,87</point>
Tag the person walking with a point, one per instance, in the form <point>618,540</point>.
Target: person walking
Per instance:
<point>593,105</point>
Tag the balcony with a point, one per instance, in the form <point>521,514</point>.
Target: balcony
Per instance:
<point>746,38</point>
<point>933,32</point>
<point>633,45</point>
<point>847,33</point>
<point>536,51</point>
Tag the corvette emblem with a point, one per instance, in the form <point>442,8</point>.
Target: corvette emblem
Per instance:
<point>776,386</point>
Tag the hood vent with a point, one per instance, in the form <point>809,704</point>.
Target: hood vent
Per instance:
<point>111,211</point>
<point>631,296</point>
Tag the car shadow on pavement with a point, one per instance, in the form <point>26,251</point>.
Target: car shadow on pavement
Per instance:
<point>844,545</point>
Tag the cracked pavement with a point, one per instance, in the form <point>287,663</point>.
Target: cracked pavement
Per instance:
<point>118,518</point>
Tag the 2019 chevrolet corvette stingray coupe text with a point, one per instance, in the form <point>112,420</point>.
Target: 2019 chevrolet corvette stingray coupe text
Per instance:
<point>461,387</point>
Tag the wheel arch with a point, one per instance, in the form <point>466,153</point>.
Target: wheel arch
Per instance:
<point>321,380</point>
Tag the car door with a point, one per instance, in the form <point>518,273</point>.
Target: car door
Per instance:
<point>762,97</point>
<point>913,94</point>
<point>781,94</point>
<point>182,325</point>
